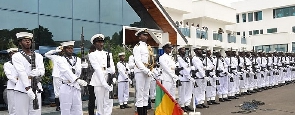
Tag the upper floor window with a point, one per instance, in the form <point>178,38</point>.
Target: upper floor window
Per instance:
<point>250,32</point>
<point>261,31</point>
<point>238,18</point>
<point>238,33</point>
<point>250,17</point>
<point>284,12</point>
<point>258,15</point>
<point>293,29</point>
<point>255,32</point>
<point>244,34</point>
<point>272,30</point>
<point>244,17</point>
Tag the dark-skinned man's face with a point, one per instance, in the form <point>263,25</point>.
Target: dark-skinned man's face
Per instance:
<point>25,43</point>
<point>99,45</point>
<point>143,37</point>
<point>68,50</point>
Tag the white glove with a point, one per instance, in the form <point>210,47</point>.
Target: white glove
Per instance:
<point>175,78</point>
<point>192,80</point>
<point>206,78</point>
<point>150,74</point>
<point>58,50</point>
<point>193,68</point>
<point>110,88</point>
<point>211,73</point>
<point>84,65</point>
<point>114,80</point>
<point>31,94</point>
<point>34,73</point>
<point>81,82</point>
<point>251,73</point>
<point>130,81</point>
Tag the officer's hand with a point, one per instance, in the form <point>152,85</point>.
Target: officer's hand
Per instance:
<point>110,88</point>
<point>150,74</point>
<point>114,80</point>
<point>130,81</point>
<point>84,65</point>
<point>31,94</point>
<point>81,82</point>
<point>34,73</point>
<point>192,80</point>
<point>206,78</point>
<point>175,78</point>
<point>211,73</point>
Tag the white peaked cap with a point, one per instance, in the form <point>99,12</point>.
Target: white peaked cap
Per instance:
<point>69,43</point>
<point>122,53</point>
<point>167,43</point>
<point>179,47</point>
<point>24,35</point>
<point>96,36</point>
<point>195,47</point>
<point>12,50</point>
<point>140,31</point>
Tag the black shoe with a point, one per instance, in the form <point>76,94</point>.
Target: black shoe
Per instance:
<point>253,91</point>
<point>126,106</point>
<point>57,108</point>
<point>214,102</point>
<point>237,95</point>
<point>199,106</point>
<point>153,100</point>
<point>231,97</point>
<point>248,93</point>
<point>122,107</point>
<point>188,108</point>
<point>209,103</point>
<point>183,108</point>
<point>226,99</point>
<point>221,100</point>
<point>205,106</point>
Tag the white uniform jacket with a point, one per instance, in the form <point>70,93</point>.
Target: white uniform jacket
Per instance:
<point>185,63</point>
<point>141,56</point>
<point>23,68</point>
<point>220,67</point>
<point>168,66</point>
<point>98,60</point>
<point>66,74</point>
<point>123,71</point>
<point>50,55</point>
<point>198,64</point>
<point>11,74</point>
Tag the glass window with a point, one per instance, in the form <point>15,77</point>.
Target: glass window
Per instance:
<point>243,40</point>
<point>244,34</point>
<point>293,46</point>
<point>284,12</point>
<point>250,32</point>
<point>231,38</point>
<point>272,30</point>
<point>238,33</point>
<point>258,15</point>
<point>250,17</point>
<point>293,29</point>
<point>261,31</point>
<point>238,18</point>
<point>255,32</point>
<point>244,17</point>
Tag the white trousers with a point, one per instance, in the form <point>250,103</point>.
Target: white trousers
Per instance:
<point>142,89</point>
<point>24,105</point>
<point>223,88</point>
<point>70,100</point>
<point>199,92</point>
<point>11,102</point>
<point>185,93</point>
<point>103,103</point>
<point>211,90</point>
<point>153,89</point>
<point>56,85</point>
<point>170,87</point>
<point>123,92</point>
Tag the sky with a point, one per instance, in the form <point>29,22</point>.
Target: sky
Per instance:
<point>226,2</point>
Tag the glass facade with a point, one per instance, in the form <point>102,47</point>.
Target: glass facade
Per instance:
<point>250,17</point>
<point>275,47</point>
<point>272,30</point>
<point>258,15</point>
<point>243,40</point>
<point>284,12</point>
<point>57,21</point>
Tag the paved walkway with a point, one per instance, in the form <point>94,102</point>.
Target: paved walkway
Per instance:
<point>278,101</point>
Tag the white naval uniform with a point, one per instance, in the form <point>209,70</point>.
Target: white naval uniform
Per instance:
<point>70,90</point>
<point>229,64</point>
<point>222,77</point>
<point>98,60</point>
<point>55,72</point>
<point>185,90</point>
<point>281,69</point>
<point>157,72</point>
<point>168,66</point>
<point>24,104</point>
<point>288,73</point>
<point>123,83</point>
<point>261,78</point>
<point>141,56</point>
<point>199,92</point>
<point>210,90</point>
<point>276,70</point>
<point>236,76</point>
<point>242,84</point>
<point>12,75</point>
<point>248,70</point>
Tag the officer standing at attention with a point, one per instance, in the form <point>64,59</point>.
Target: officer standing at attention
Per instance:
<point>70,90</point>
<point>12,76</point>
<point>23,93</point>
<point>168,77</point>
<point>123,81</point>
<point>143,55</point>
<point>98,60</point>
<point>55,73</point>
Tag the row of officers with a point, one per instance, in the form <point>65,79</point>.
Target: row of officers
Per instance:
<point>203,76</point>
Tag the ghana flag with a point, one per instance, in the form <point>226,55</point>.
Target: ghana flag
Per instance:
<point>165,104</point>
